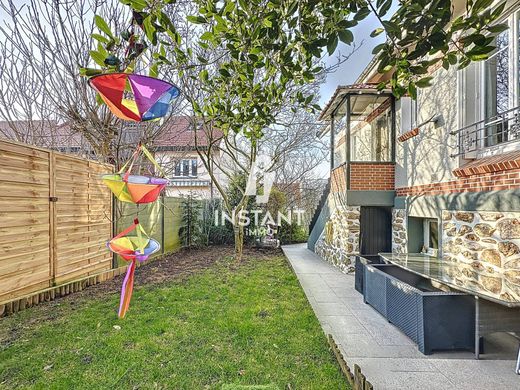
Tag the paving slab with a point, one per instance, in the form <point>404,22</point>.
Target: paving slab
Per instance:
<point>388,358</point>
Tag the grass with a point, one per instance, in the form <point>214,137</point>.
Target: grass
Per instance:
<point>219,328</point>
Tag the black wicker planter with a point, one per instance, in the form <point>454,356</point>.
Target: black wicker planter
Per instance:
<point>434,319</point>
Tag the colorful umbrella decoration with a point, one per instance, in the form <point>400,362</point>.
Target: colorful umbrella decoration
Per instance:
<point>131,248</point>
<point>134,188</point>
<point>135,97</point>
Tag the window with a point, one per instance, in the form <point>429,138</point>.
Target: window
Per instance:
<point>497,89</point>
<point>409,114</point>
<point>431,236</point>
<point>370,127</point>
<point>186,168</point>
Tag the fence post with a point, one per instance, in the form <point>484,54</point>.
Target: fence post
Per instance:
<point>52,218</point>
<point>162,223</point>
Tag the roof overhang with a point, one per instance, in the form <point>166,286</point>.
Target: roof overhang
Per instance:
<point>344,90</point>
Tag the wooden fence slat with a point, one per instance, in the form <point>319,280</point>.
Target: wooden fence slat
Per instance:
<point>54,227</point>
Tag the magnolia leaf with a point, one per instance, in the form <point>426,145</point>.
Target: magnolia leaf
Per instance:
<point>346,36</point>
<point>424,82</point>
<point>332,43</point>
<point>103,26</point>
<point>100,38</point>
<point>196,19</point>
<point>376,32</point>
<point>97,57</point>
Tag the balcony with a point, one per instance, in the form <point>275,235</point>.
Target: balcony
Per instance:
<point>496,134</point>
<point>361,124</point>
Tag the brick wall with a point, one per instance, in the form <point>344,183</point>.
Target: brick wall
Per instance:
<point>372,176</point>
<point>494,173</point>
<point>495,181</point>
<point>338,182</point>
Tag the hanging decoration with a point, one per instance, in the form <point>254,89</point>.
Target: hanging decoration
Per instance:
<point>135,97</point>
<point>131,248</point>
<point>135,188</point>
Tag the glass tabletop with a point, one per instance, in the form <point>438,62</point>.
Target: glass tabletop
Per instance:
<point>500,287</point>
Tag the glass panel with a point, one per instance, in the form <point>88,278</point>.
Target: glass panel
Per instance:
<point>185,167</point>
<point>497,90</point>
<point>370,128</point>
<point>434,235</point>
<point>340,128</point>
<point>194,168</point>
<point>178,169</point>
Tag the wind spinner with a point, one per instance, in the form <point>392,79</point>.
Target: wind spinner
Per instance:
<point>131,248</point>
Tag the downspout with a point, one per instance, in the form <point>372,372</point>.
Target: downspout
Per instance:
<point>347,145</point>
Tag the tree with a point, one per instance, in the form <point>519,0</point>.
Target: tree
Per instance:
<point>43,44</point>
<point>241,64</point>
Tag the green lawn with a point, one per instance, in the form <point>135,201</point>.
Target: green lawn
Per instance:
<point>220,325</point>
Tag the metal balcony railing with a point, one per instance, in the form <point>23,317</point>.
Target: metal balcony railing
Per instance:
<point>501,128</point>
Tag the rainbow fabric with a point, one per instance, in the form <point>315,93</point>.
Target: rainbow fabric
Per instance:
<point>133,188</point>
<point>151,97</point>
<point>133,249</point>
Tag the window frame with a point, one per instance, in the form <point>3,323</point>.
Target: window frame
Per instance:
<point>188,163</point>
<point>427,236</point>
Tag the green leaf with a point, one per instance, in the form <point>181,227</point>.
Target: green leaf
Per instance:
<point>196,19</point>
<point>412,90</point>
<point>267,23</point>
<point>100,38</point>
<point>362,14</point>
<point>204,75</point>
<point>376,32</point>
<point>207,36</point>
<point>378,48</point>
<point>332,43</point>
<point>384,8</point>
<point>424,82</point>
<point>97,57</point>
<point>346,36</point>
<point>149,29</point>
<point>89,72</point>
<point>498,28</point>
<point>224,72</point>
<point>103,26</point>
<point>154,70</point>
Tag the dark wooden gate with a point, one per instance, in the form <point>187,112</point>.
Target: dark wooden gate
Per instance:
<point>375,230</point>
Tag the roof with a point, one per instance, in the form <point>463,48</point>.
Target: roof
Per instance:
<point>178,133</point>
<point>343,90</point>
<point>44,133</point>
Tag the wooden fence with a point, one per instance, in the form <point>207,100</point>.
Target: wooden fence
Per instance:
<point>55,218</point>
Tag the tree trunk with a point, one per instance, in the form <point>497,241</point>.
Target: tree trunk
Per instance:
<point>239,243</point>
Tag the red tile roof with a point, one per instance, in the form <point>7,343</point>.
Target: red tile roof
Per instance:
<point>178,133</point>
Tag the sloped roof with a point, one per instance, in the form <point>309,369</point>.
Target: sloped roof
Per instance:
<point>179,133</point>
<point>341,91</point>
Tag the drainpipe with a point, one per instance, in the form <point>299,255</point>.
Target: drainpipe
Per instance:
<point>332,130</point>
<point>347,145</point>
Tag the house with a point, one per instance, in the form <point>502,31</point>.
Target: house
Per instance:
<point>175,149</point>
<point>438,175</point>
<point>174,146</point>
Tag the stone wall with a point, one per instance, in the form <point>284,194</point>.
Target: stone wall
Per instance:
<point>339,242</point>
<point>399,233</point>
<point>486,245</point>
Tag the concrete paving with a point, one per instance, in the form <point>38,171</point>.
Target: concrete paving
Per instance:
<point>388,358</point>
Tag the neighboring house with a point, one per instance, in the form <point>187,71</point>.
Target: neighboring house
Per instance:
<point>176,151</point>
<point>439,175</point>
<point>175,148</point>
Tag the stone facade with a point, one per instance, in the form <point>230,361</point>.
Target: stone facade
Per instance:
<point>486,246</point>
<point>339,242</point>
<point>399,233</point>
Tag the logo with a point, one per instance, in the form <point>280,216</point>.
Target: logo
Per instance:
<point>259,173</point>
